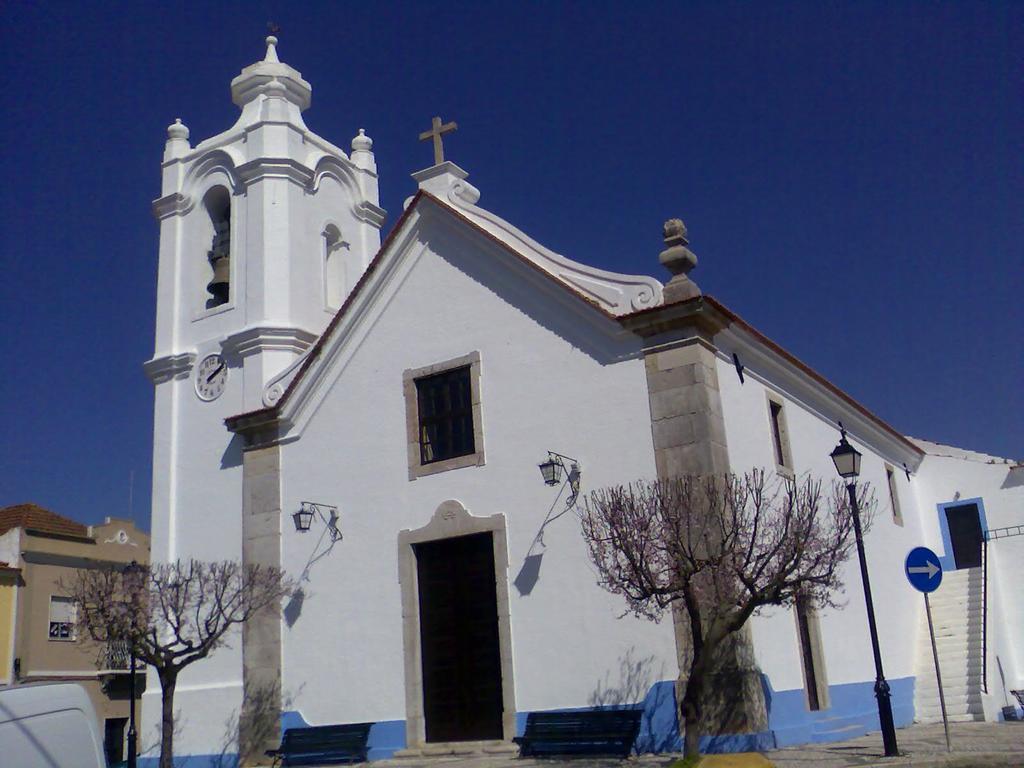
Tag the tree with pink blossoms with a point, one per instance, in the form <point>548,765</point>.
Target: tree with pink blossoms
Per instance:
<point>171,615</point>
<point>717,549</point>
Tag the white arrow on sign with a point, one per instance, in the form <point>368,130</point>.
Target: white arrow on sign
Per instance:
<point>929,567</point>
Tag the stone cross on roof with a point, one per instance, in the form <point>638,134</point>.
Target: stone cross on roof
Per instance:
<point>437,130</point>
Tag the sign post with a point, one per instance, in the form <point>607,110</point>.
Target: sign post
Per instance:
<point>924,572</point>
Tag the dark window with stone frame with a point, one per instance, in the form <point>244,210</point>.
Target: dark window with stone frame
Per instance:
<point>445,405</point>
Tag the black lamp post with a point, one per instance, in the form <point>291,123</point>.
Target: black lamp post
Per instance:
<point>134,573</point>
<point>847,461</point>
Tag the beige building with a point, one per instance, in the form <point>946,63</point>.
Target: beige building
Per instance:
<point>39,551</point>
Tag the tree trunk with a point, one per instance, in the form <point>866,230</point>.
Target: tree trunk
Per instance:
<point>168,680</point>
<point>690,709</point>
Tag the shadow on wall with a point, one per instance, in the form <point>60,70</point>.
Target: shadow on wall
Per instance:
<point>517,286</point>
<point>265,705</point>
<point>293,608</point>
<point>634,680</point>
<point>639,686</point>
<point>1014,477</point>
<point>232,456</point>
<point>529,572</point>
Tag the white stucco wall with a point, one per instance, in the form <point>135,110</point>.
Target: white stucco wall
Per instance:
<point>548,381</point>
<point>844,631</point>
<point>948,475</point>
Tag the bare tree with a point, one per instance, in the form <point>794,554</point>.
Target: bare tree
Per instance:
<point>720,548</point>
<point>173,614</point>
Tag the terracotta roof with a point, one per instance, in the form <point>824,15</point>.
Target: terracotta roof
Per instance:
<point>36,518</point>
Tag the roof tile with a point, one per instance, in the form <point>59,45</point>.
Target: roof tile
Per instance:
<point>37,518</point>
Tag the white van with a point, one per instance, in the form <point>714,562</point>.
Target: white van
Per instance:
<point>49,725</point>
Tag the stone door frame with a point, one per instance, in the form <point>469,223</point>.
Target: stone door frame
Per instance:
<point>451,519</point>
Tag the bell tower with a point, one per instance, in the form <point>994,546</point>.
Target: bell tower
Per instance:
<point>264,230</point>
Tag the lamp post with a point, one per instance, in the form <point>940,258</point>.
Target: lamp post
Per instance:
<point>847,461</point>
<point>134,573</point>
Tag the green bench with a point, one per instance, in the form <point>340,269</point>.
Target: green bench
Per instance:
<point>609,732</point>
<point>323,745</point>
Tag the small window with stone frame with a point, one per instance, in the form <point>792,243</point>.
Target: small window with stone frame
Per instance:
<point>894,498</point>
<point>780,436</point>
<point>443,416</point>
<point>811,654</point>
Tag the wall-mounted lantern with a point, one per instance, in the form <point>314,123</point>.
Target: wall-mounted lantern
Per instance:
<point>303,518</point>
<point>551,470</point>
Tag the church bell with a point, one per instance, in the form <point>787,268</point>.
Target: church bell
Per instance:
<point>220,260</point>
<point>218,286</point>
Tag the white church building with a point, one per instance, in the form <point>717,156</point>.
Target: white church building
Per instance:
<point>404,393</point>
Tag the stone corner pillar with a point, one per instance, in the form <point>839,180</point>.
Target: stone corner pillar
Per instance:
<point>688,431</point>
<point>260,717</point>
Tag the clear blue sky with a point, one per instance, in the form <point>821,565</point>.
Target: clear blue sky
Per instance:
<point>851,176</point>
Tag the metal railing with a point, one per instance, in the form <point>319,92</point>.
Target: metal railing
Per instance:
<point>115,656</point>
<point>1002,533</point>
<point>984,614</point>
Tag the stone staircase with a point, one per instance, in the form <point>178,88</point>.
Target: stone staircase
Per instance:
<point>957,616</point>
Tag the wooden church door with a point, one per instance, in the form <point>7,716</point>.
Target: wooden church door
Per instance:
<point>462,698</point>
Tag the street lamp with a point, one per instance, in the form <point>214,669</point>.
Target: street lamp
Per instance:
<point>847,461</point>
<point>134,573</point>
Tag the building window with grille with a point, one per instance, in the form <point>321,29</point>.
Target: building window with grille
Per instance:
<point>443,416</point>
<point>62,618</point>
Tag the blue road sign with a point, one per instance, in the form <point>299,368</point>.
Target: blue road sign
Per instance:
<point>924,571</point>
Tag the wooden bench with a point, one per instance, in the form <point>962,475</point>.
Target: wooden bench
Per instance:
<point>587,732</point>
<point>322,745</point>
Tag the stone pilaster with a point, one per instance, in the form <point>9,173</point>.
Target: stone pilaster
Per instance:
<point>686,409</point>
<point>259,721</point>
<point>688,430</point>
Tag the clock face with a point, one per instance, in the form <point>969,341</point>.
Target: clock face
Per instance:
<point>211,376</point>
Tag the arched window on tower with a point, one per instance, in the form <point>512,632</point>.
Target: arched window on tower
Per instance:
<point>218,205</point>
<point>335,279</point>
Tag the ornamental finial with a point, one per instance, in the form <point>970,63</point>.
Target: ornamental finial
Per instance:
<point>272,43</point>
<point>678,259</point>
<point>177,130</point>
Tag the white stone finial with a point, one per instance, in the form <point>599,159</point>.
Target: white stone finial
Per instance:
<point>271,50</point>
<point>177,130</point>
<point>250,83</point>
<point>362,142</point>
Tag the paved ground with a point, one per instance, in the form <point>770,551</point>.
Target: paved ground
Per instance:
<point>975,745</point>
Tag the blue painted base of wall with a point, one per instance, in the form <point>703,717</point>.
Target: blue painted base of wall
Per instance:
<point>853,711</point>
<point>193,761</point>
